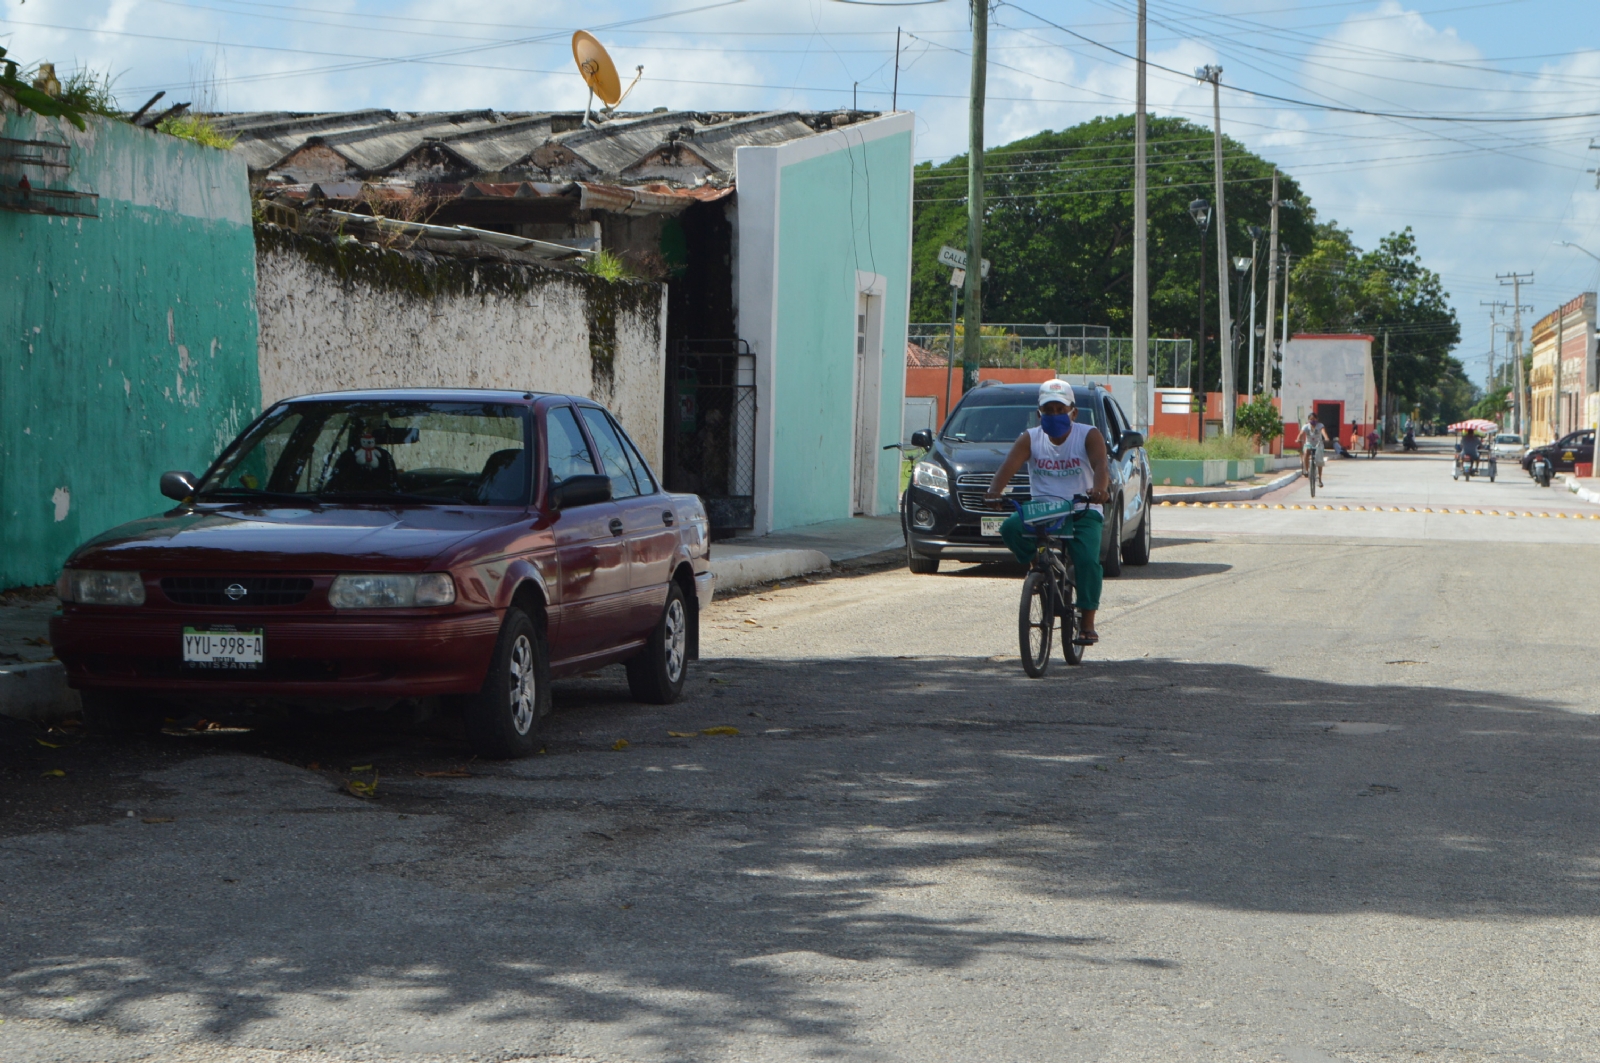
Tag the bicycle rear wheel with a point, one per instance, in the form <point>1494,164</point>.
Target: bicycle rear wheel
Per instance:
<point>1036,623</point>
<point>1071,652</point>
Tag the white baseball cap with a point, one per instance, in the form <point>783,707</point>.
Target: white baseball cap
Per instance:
<point>1057,390</point>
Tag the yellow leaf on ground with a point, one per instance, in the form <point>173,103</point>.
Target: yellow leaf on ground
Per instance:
<point>720,731</point>
<point>57,772</point>
<point>362,767</point>
<point>619,745</point>
<point>47,745</point>
<point>680,734</point>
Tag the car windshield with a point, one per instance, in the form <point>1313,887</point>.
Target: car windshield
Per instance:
<point>472,453</point>
<point>985,423</point>
<point>1508,437</point>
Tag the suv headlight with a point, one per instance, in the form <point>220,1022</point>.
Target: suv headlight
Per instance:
<point>88,587</point>
<point>386,591</point>
<point>930,476</point>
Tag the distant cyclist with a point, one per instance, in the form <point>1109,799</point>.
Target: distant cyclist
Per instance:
<point>1312,438</point>
<point>1064,459</point>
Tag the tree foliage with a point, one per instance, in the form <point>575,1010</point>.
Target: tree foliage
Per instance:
<point>1058,228</point>
<point>1259,419</point>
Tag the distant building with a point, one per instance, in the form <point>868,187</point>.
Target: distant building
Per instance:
<point>1558,407</point>
<point>783,239</point>
<point>1329,375</point>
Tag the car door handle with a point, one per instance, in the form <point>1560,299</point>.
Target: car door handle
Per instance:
<point>616,525</point>
<point>666,518</point>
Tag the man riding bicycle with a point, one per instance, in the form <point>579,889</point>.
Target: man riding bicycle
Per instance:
<point>1063,459</point>
<point>1312,438</point>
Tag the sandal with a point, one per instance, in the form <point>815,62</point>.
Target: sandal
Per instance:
<point>1087,639</point>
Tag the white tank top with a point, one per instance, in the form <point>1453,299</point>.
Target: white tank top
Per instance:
<point>1060,471</point>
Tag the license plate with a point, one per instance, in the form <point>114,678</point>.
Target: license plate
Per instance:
<point>223,648</point>
<point>991,525</point>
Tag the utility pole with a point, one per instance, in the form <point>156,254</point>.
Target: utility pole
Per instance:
<point>1515,281</point>
<point>1141,248</point>
<point>1286,256</point>
<point>1383,397</point>
<point>972,345</point>
<point>1250,373</point>
<point>1272,291</point>
<point>1213,74</point>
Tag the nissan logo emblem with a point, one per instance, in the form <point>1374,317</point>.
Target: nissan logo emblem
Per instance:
<point>235,591</point>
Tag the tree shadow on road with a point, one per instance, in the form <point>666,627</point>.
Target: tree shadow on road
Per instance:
<point>874,819</point>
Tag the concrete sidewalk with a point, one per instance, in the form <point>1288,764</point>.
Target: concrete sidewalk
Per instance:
<point>747,561</point>
<point>33,685</point>
<point>1244,491</point>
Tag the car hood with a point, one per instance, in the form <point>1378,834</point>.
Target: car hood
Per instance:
<point>973,457</point>
<point>209,538</point>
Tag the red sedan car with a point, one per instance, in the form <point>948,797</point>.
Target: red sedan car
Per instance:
<point>358,549</point>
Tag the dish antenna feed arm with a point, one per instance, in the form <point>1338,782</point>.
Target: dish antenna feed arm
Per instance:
<point>600,74</point>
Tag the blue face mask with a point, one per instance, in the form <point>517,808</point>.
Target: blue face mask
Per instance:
<point>1056,424</point>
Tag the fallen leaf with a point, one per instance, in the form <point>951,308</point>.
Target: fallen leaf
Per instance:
<point>453,773</point>
<point>47,745</point>
<point>680,734</point>
<point>752,623</point>
<point>362,767</point>
<point>57,772</point>
<point>619,745</point>
<point>157,819</point>
<point>364,789</point>
<point>720,731</point>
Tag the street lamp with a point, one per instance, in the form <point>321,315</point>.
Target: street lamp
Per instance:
<point>1241,265</point>
<point>1575,247</point>
<point>1200,211</point>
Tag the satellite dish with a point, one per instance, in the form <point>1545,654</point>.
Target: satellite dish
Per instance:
<point>600,74</point>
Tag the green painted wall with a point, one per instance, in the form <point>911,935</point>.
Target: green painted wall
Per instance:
<point>127,342</point>
<point>837,213</point>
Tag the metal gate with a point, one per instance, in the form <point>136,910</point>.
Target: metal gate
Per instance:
<point>711,430</point>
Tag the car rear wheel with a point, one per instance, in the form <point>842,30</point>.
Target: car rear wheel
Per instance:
<point>1137,550</point>
<point>1111,554</point>
<point>656,676</point>
<point>117,712</point>
<point>503,718</point>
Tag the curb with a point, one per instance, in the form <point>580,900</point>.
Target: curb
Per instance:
<point>1237,494</point>
<point>1583,493</point>
<point>737,569</point>
<point>37,692</point>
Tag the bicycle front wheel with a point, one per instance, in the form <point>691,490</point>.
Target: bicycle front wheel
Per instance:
<point>1036,621</point>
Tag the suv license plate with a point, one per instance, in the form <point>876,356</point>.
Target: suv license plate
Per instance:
<point>990,525</point>
<point>223,648</point>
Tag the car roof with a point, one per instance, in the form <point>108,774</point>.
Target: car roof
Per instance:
<point>1008,394</point>
<point>424,395</point>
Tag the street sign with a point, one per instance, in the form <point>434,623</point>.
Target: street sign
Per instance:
<point>958,278</point>
<point>949,256</point>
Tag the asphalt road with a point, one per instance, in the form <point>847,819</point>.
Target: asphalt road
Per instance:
<point>1317,795</point>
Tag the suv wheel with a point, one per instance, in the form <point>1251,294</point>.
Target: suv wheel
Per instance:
<point>1137,550</point>
<point>656,676</point>
<point>503,717</point>
<point>922,566</point>
<point>1111,552</point>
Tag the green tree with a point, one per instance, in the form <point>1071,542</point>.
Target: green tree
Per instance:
<point>1259,419</point>
<point>1059,227</point>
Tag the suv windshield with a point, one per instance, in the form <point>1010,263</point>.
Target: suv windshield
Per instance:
<point>972,423</point>
<point>388,452</point>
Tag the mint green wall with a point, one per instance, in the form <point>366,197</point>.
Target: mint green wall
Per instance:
<point>837,213</point>
<point>127,342</point>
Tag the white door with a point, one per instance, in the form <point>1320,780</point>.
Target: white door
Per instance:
<point>864,475</point>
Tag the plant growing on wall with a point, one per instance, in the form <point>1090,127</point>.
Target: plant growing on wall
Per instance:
<point>36,100</point>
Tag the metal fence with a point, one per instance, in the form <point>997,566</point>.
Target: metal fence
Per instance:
<point>711,429</point>
<point>1085,351</point>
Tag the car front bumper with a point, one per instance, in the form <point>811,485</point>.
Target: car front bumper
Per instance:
<point>961,548</point>
<point>314,658</point>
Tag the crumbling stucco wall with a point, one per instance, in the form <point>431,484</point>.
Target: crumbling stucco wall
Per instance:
<point>340,315</point>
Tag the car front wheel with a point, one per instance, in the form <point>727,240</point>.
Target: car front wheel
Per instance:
<point>656,676</point>
<point>503,717</point>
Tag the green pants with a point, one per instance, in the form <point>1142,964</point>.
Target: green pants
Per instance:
<point>1083,548</point>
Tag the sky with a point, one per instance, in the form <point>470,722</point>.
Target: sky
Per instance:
<point>1484,198</point>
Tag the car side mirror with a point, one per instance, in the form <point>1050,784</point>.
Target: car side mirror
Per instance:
<point>923,438</point>
<point>580,491</point>
<point>177,485</point>
<point>1131,441</point>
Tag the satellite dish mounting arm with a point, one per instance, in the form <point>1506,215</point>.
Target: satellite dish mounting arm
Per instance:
<point>637,74</point>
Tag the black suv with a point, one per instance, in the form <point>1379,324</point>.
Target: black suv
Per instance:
<point>942,510</point>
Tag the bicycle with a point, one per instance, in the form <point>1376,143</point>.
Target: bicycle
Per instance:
<point>1048,591</point>
<point>1317,462</point>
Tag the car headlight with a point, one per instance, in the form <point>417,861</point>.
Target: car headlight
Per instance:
<point>397,591</point>
<point>88,587</point>
<point>930,476</point>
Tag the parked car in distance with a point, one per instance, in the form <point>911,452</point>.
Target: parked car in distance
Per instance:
<point>359,549</point>
<point>1565,453</point>
<point>942,511</point>
<point>1508,445</point>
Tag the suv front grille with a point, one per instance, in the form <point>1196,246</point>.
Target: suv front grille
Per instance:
<point>970,487</point>
<point>213,590</point>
